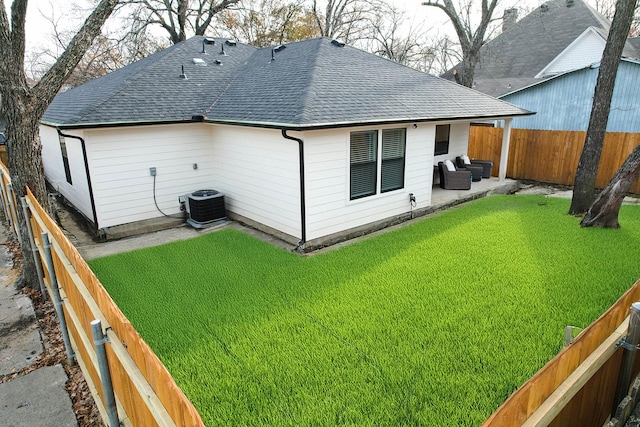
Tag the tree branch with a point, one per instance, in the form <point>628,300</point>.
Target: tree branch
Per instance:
<point>51,82</point>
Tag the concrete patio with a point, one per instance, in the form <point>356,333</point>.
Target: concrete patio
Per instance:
<point>441,198</point>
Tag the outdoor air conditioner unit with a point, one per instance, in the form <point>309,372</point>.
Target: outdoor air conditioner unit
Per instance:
<point>204,207</point>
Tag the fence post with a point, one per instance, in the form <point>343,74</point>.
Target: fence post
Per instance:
<point>13,213</point>
<point>56,297</point>
<point>34,248</point>
<point>630,345</point>
<point>99,340</point>
<point>5,202</point>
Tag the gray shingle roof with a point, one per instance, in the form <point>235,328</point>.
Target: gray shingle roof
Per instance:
<point>525,48</point>
<point>310,84</point>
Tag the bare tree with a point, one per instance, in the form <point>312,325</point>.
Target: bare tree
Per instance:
<point>267,22</point>
<point>392,36</point>
<point>24,105</point>
<point>604,211</point>
<point>343,19</point>
<point>608,8</point>
<point>179,18</point>
<point>471,40</point>
<point>584,185</point>
<point>446,53</point>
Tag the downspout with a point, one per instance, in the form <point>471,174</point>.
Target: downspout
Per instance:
<point>303,212</point>
<point>86,169</point>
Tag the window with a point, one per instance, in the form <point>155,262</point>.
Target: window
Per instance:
<point>65,158</point>
<point>365,166</point>
<point>364,155</point>
<point>442,140</point>
<point>393,144</point>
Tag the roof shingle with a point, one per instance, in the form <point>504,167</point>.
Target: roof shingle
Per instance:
<point>309,84</point>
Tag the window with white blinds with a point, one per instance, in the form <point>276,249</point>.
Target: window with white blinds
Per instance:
<point>393,148</point>
<point>364,162</point>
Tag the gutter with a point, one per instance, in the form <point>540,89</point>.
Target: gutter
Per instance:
<point>86,169</point>
<point>288,126</point>
<point>303,212</point>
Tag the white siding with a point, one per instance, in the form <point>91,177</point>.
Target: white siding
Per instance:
<point>458,142</point>
<point>329,208</point>
<point>258,170</point>
<point>120,159</point>
<point>584,51</point>
<point>78,192</point>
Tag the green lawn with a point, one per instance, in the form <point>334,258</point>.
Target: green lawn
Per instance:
<point>433,324</point>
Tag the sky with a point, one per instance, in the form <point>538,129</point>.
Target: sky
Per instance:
<point>38,28</point>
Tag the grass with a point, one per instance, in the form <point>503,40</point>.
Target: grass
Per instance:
<point>436,323</point>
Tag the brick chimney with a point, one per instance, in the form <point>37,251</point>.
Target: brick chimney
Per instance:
<point>509,18</point>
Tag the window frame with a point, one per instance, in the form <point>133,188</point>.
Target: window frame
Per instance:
<point>65,159</point>
<point>442,143</point>
<point>364,167</point>
<point>383,166</point>
<point>393,161</point>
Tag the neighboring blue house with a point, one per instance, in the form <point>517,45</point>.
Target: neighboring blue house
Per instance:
<point>563,102</point>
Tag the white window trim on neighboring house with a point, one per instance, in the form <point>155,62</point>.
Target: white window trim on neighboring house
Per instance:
<point>545,71</point>
<point>379,165</point>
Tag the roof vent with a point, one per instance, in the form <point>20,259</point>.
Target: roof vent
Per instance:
<point>273,54</point>
<point>200,62</point>
<point>337,43</point>
<point>231,42</point>
<point>279,48</point>
<point>544,8</point>
<point>217,62</point>
<point>182,74</point>
<point>569,3</point>
<point>222,52</point>
<point>206,41</point>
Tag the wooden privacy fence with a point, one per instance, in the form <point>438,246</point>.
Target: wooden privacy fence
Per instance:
<point>550,156</point>
<point>578,386</point>
<point>145,392</point>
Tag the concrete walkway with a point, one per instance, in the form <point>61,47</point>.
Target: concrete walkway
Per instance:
<point>38,398</point>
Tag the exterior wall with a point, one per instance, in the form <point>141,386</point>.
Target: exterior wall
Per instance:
<point>258,170</point>
<point>329,208</point>
<point>564,102</point>
<point>77,193</point>
<point>584,51</point>
<point>120,159</point>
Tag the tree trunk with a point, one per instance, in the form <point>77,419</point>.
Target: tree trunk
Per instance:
<point>469,67</point>
<point>25,106</point>
<point>584,184</point>
<point>604,211</point>
<point>25,165</point>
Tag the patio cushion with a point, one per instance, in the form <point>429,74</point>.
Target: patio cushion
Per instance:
<point>449,165</point>
<point>465,159</point>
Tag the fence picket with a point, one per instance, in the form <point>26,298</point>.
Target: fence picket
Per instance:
<point>550,156</point>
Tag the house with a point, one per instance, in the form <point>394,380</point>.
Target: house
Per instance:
<point>563,102</point>
<point>558,36</point>
<point>306,140</point>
